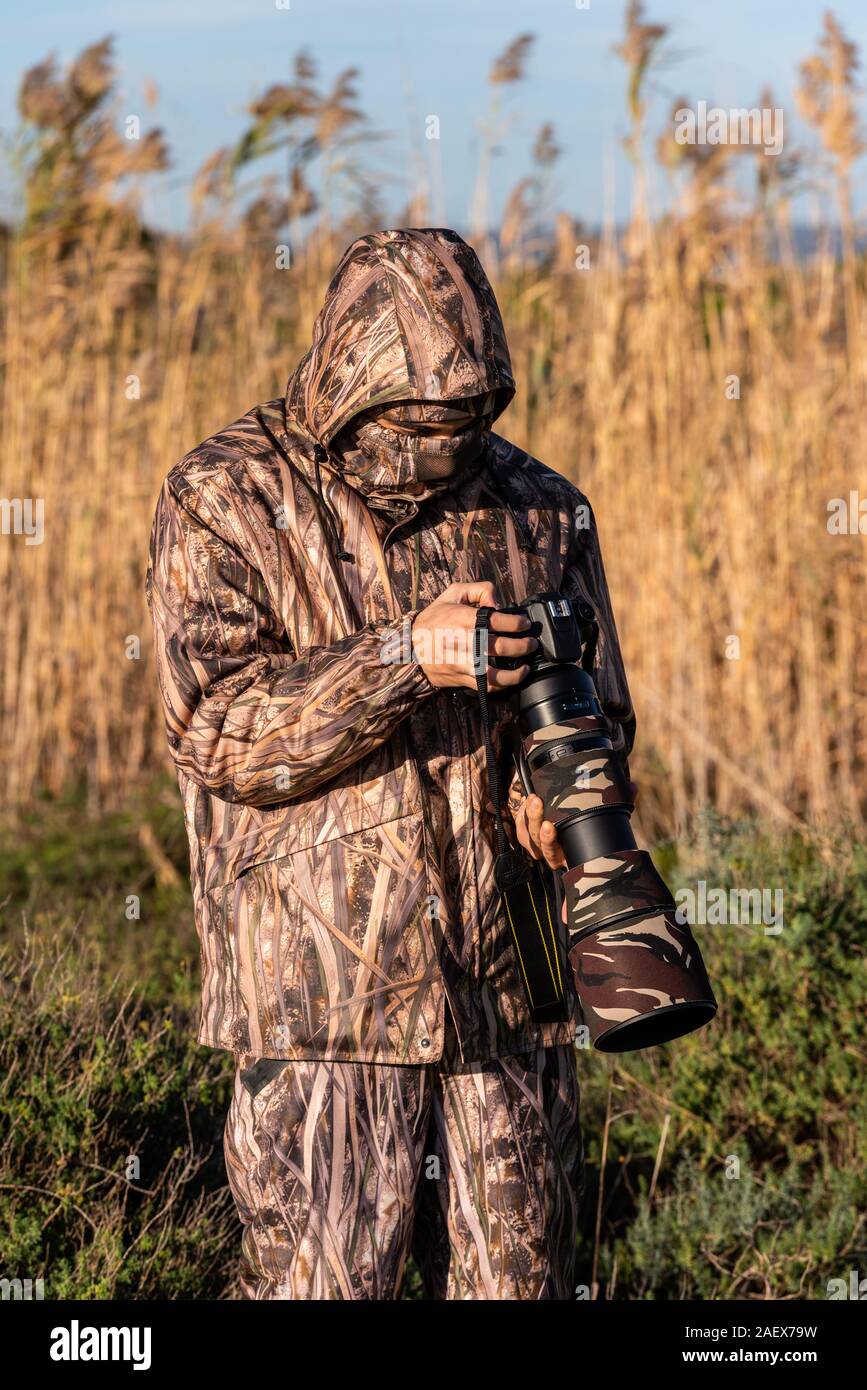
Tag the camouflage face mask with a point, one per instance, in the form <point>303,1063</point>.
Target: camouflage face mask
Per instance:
<point>414,442</point>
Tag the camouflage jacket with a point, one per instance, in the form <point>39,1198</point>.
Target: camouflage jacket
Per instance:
<point>337,807</point>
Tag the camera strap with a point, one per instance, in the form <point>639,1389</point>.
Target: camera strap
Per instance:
<point>519,880</point>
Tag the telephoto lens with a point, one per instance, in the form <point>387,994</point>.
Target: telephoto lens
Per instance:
<point>638,972</point>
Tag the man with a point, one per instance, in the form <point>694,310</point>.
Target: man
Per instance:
<point>393,1093</point>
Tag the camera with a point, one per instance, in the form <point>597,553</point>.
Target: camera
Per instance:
<point>638,972</point>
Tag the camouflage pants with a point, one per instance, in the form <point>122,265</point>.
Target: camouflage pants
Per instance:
<point>340,1169</point>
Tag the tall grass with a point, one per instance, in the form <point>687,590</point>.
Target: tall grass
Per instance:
<point>120,350</point>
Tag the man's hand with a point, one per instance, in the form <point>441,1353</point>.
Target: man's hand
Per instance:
<point>537,835</point>
<point>442,638</point>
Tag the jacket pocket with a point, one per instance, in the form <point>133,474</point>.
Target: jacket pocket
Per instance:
<point>259,1074</point>
<point>382,788</point>
<point>330,946</point>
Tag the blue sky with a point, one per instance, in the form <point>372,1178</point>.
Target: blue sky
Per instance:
<point>419,57</point>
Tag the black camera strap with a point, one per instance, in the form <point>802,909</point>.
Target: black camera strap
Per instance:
<point>519,880</point>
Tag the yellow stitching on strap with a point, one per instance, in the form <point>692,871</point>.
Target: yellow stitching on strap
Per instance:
<point>541,932</point>
<point>553,938</point>
<point>518,949</point>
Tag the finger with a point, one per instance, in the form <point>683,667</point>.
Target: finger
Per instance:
<point>509,622</point>
<point>535,816</point>
<point>523,833</point>
<point>513,646</point>
<point>503,680</point>
<point>497,679</point>
<point>481,594</point>
<point>551,847</point>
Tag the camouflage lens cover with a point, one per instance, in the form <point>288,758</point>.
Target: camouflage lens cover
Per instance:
<point>619,884</point>
<point>556,733</point>
<point>587,780</point>
<point>630,955</point>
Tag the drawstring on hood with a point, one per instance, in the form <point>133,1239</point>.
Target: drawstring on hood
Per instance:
<point>320,456</point>
<point>331,522</point>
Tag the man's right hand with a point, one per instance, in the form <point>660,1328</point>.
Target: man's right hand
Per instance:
<point>442,638</point>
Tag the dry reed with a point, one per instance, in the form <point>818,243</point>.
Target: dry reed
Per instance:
<point>121,350</point>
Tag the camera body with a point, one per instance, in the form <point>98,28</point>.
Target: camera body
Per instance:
<point>561,624</point>
<point>639,975</point>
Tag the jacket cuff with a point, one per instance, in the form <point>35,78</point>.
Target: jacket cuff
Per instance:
<point>398,651</point>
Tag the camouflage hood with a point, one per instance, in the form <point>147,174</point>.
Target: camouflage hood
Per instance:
<point>409,315</point>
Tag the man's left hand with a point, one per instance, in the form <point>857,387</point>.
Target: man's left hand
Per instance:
<point>537,835</point>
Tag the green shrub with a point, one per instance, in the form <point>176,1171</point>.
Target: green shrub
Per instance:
<point>762,1185</point>
<point>111,1177</point>
<point>760,1190</point>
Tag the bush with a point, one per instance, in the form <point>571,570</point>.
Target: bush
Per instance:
<point>756,1127</point>
<point>111,1179</point>
<point>761,1118</point>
